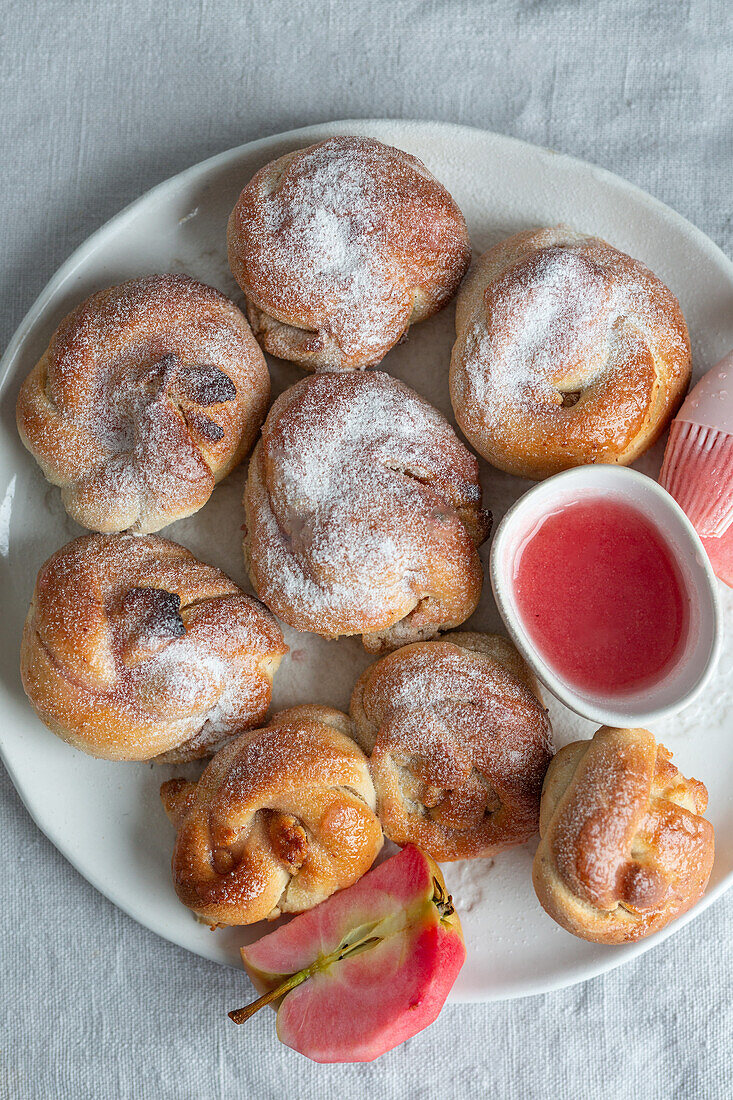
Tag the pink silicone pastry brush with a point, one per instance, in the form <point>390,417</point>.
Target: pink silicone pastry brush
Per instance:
<point>698,462</point>
<point>720,552</point>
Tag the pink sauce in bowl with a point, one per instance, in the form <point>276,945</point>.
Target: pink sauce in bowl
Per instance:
<point>606,591</point>
<point>601,596</point>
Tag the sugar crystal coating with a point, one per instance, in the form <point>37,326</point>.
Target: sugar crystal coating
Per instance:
<point>459,744</point>
<point>363,509</point>
<point>113,410</point>
<point>340,247</point>
<point>568,352</point>
<point>281,818</point>
<point>133,649</point>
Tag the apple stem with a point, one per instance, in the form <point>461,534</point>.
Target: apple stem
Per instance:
<point>443,902</point>
<point>344,951</point>
<point>240,1015</point>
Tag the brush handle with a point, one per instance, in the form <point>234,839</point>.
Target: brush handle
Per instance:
<point>710,402</point>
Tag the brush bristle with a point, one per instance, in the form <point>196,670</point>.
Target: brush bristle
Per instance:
<point>720,552</point>
<point>698,472</point>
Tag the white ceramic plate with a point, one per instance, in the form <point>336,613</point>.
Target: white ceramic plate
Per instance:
<point>106,818</point>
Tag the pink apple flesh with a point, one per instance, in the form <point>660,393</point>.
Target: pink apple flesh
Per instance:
<point>368,968</point>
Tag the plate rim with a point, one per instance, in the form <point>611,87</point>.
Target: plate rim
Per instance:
<point>617,955</point>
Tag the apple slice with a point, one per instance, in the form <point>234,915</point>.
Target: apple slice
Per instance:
<point>367,968</point>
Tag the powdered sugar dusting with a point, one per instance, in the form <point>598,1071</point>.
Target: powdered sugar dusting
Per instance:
<point>354,486</point>
<point>625,848</point>
<point>162,653</point>
<point>282,818</point>
<point>439,689</point>
<point>339,238</point>
<point>566,350</point>
<point>147,390</point>
<point>331,217</point>
<point>454,736</point>
<point>550,320</point>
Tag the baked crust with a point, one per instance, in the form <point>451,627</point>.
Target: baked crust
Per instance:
<point>363,512</point>
<point>625,848</point>
<point>567,352</point>
<point>148,394</point>
<point>340,247</point>
<point>458,744</point>
<point>133,650</point>
<point>280,819</point>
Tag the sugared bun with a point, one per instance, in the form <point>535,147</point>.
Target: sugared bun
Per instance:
<point>363,512</point>
<point>568,352</point>
<point>148,395</point>
<point>281,818</point>
<point>459,744</point>
<point>625,848</point>
<point>340,247</point>
<point>133,649</point>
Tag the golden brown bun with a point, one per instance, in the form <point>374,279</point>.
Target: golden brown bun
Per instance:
<point>133,649</point>
<point>340,247</point>
<point>624,847</point>
<point>281,818</point>
<point>363,512</point>
<point>459,744</point>
<point>148,394</point>
<point>568,352</point>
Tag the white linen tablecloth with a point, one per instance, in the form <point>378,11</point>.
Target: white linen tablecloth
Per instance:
<point>98,103</point>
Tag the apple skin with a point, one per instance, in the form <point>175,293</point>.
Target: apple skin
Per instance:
<point>353,1009</point>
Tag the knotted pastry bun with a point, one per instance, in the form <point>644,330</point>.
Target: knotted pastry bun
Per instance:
<point>363,512</point>
<point>625,848</point>
<point>280,819</point>
<point>459,744</point>
<point>148,395</point>
<point>568,352</point>
<point>133,649</point>
<point>340,247</point>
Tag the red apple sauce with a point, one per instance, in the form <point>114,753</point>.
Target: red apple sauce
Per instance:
<point>601,596</point>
